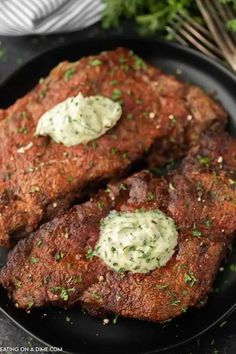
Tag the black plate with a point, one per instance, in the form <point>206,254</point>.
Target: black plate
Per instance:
<point>82,333</point>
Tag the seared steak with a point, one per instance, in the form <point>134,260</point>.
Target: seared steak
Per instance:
<point>40,179</point>
<point>54,266</point>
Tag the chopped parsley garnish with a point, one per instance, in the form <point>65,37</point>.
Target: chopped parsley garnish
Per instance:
<point>19,284</point>
<point>197,233</point>
<point>70,179</point>
<point>34,260</point>
<point>190,278</point>
<point>175,302</point>
<point>208,223</point>
<point>39,243</point>
<point>150,196</point>
<point>23,114</point>
<point>69,74</point>
<point>23,130</point>
<point>123,186</point>
<point>90,254</point>
<point>47,279</point>
<point>100,204</point>
<point>114,151</point>
<point>64,293</point>
<point>30,304</point>
<point>113,82</point>
<point>130,116</point>
<point>96,296</point>
<point>122,274</point>
<point>94,144</point>
<point>34,189</point>
<point>78,279</point>
<point>115,319</point>
<point>162,287</point>
<point>116,94</point>
<point>95,62</point>
<point>203,160</point>
<point>138,64</point>
<point>233,268</point>
<point>199,186</point>
<point>172,119</point>
<point>42,93</point>
<point>59,255</point>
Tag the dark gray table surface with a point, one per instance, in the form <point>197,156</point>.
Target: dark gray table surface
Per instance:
<point>13,53</point>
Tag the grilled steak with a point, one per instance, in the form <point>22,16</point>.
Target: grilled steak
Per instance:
<point>39,178</point>
<point>53,266</point>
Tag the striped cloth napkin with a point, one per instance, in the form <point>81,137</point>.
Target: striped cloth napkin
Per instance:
<point>23,17</point>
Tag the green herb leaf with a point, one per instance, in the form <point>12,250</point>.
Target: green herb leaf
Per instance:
<point>150,196</point>
<point>115,319</point>
<point>96,296</point>
<point>162,287</point>
<point>123,186</point>
<point>90,254</point>
<point>78,279</point>
<point>208,223</point>
<point>233,268</point>
<point>197,233</point>
<point>175,302</point>
<point>95,62</point>
<point>59,255</point>
<point>69,73</point>
<point>114,151</point>
<point>203,160</point>
<point>154,16</point>
<point>64,293</point>
<point>190,278</point>
<point>30,304</point>
<point>70,179</point>
<point>116,94</point>
<point>130,116</point>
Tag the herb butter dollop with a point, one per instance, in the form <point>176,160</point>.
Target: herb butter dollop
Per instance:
<point>138,241</point>
<point>79,119</point>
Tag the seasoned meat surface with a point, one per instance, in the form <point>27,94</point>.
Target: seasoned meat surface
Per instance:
<point>39,179</point>
<point>55,265</point>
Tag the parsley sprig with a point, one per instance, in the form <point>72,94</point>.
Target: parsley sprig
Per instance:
<point>153,16</point>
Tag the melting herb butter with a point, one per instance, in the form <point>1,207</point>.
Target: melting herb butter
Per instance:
<point>137,241</point>
<point>79,119</point>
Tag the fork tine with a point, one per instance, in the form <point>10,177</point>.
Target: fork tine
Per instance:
<point>226,14</point>
<point>221,27</point>
<point>201,38</point>
<point>176,35</point>
<point>188,36</point>
<point>217,33</point>
<point>197,25</point>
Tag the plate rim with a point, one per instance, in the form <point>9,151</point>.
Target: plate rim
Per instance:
<point>124,37</point>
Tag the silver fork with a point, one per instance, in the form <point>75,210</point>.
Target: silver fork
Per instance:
<point>216,15</point>
<point>187,31</point>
